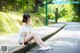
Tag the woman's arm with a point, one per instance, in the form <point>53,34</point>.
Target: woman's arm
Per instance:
<point>24,33</point>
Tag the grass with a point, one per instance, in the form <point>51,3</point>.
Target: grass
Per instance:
<point>6,33</point>
<point>10,22</point>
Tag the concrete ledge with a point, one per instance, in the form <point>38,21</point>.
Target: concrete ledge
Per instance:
<point>29,46</point>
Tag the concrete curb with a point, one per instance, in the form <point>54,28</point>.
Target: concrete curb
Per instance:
<point>29,46</point>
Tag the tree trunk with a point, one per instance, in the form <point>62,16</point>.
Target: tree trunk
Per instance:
<point>36,6</point>
<point>0,4</point>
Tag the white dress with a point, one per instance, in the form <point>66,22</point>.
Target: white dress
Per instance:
<point>26,29</point>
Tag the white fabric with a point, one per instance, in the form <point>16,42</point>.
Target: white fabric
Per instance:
<point>26,29</point>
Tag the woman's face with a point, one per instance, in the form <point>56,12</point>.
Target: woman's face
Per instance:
<point>28,20</point>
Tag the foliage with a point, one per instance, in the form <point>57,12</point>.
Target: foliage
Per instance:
<point>11,13</point>
<point>50,15</point>
<point>76,8</point>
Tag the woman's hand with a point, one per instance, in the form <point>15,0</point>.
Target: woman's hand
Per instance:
<point>23,44</point>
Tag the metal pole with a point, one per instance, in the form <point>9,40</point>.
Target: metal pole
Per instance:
<point>46,14</point>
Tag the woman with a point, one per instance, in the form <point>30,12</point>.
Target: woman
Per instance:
<point>26,34</point>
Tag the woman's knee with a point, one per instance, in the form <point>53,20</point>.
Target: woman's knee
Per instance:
<point>27,38</point>
<point>33,35</point>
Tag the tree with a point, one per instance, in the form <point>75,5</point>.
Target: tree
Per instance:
<point>77,10</point>
<point>37,4</point>
<point>0,4</point>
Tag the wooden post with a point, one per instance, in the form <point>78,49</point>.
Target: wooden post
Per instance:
<point>56,15</point>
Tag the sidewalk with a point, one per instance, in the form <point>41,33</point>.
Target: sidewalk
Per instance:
<point>12,40</point>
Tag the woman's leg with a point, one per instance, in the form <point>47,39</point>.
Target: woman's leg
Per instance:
<point>41,41</point>
<point>29,37</point>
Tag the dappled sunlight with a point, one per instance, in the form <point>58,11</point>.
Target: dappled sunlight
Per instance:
<point>36,21</point>
<point>15,16</point>
<point>4,23</point>
<point>10,23</point>
<point>57,22</point>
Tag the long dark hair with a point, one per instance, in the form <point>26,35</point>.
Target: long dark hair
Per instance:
<point>26,17</point>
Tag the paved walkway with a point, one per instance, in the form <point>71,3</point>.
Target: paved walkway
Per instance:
<point>65,41</point>
<point>12,40</point>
